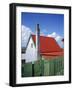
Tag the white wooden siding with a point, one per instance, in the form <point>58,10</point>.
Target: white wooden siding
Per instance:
<point>30,55</point>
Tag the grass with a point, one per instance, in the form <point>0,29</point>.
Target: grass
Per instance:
<point>44,68</point>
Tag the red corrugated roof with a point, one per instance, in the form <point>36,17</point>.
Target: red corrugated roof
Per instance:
<point>48,44</point>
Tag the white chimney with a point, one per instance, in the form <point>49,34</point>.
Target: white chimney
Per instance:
<point>37,42</point>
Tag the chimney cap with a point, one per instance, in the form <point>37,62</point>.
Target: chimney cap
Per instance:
<point>37,25</point>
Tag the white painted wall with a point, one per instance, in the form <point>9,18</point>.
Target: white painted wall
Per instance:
<point>30,55</point>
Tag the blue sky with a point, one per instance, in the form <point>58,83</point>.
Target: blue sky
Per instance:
<point>50,24</point>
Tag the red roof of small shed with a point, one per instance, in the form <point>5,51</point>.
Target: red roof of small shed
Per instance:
<point>48,44</point>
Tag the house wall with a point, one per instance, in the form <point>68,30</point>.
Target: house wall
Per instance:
<point>30,55</point>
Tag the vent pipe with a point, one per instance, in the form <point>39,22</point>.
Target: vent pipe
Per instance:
<point>37,42</point>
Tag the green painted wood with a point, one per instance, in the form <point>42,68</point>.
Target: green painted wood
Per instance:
<point>44,68</point>
<point>37,69</point>
<point>27,70</point>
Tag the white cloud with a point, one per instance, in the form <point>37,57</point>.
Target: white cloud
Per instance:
<point>25,33</point>
<point>53,34</point>
<point>57,37</point>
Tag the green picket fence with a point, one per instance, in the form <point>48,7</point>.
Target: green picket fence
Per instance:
<point>54,67</point>
<point>44,68</point>
<point>26,70</point>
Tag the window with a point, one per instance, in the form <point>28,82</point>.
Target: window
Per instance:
<point>23,61</point>
<point>32,45</point>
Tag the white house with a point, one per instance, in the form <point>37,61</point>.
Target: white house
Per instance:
<point>41,46</point>
<point>32,49</point>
